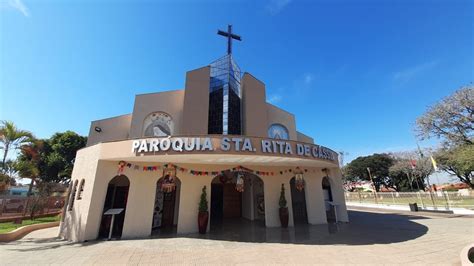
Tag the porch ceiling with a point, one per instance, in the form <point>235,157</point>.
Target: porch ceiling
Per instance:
<point>221,159</point>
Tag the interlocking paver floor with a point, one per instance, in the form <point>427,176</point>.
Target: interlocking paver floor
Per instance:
<point>372,237</point>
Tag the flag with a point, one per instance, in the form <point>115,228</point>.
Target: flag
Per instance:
<point>435,166</point>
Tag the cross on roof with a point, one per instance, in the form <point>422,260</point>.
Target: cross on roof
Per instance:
<point>229,36</point>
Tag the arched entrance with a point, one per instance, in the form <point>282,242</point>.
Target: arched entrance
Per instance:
<point>330,215</point>
<point>166,209</point>
<point>298,202</point>
<point>237,195</point>
<point>116,198</point>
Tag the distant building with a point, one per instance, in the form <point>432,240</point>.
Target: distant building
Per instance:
<point>18,191</point>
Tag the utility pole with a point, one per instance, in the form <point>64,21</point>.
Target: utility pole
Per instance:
<point>373,185</point>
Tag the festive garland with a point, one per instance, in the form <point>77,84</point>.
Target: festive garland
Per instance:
<point>123,164</point>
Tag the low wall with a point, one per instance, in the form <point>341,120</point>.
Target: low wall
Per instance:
<point>24,230</point>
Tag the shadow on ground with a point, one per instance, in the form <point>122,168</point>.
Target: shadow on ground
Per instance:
<point>365,228</point>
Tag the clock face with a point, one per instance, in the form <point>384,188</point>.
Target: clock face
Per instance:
<point>158,125</point>
<point>277,131</point>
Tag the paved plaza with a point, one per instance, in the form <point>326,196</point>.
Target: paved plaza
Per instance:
<point>372,237</point>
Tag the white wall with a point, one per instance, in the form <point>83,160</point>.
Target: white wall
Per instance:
<point>247,200</point>
<point>338,194</point>
<point>83,222</point>
<point>314,198</point>
<point>74,226</point>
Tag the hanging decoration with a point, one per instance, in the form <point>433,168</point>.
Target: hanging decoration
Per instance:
<point>299,180</point>
<point>153,168</point>
<point>168,184</point>
<point>121,167</point>
<point>239,183</point>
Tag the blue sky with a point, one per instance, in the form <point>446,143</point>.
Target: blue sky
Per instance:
<point>355,73</point>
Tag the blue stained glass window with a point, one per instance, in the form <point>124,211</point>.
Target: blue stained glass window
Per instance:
<point>278,131</point>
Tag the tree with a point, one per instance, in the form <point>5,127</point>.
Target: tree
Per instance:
<point>11,138</point>
<point>458,161</point>
<point>60,154</point>
<point>407,173</point>
<point>452,119</point>
<point>30,161</point>
<point>348,179</point>
<point>52,159</point>
<point>379,165</point>
<point>10,171</point>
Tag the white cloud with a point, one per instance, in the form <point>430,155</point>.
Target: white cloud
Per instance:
<point>276,6</point>
<point>274,98</point>
<point>17,5</point>
<point>408,73</point>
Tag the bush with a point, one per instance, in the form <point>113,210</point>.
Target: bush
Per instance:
<point>203,202</point>
<point>282,197</point>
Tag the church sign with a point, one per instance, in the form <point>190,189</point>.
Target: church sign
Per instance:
<point>231,145</point>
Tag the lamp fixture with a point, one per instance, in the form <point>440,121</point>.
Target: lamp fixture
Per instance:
<point>299,179</point>
<point>98,129</point>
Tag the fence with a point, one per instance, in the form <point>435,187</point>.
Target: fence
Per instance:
<point>438,199</point>
<point>18,206</point>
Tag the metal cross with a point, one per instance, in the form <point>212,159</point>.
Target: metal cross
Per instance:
<point>229,36</point>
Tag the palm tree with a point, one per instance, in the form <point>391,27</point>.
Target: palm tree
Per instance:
<point>27,164</point>
<point>11,138</point>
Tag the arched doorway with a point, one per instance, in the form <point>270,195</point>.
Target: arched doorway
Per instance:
<point>298,202</point>
<point>166,208</point>
<point>116,198</point>
<point>237,196</point>
<point>327,194</point>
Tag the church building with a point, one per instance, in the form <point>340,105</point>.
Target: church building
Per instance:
<point>143,174</point>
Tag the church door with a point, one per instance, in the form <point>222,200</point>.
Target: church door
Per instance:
<point>298,200</point>
<point>232,201</point>
<point>168,209</point>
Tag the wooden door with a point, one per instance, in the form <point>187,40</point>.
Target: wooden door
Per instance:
<point>232,202</point>
<point>168,209</point>
<point>298,200</point>
<point>216,203</point>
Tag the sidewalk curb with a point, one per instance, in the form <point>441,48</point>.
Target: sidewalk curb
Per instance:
<point>460,211</point>
<point>24,230</point>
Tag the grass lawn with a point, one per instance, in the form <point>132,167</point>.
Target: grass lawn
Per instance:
<point>10,226</point>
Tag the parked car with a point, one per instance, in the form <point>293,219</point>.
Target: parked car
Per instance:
<point>14,205</point>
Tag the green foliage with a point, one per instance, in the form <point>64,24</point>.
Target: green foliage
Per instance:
<point>62,149</point>
<point>452,119</point>
<point>11,138</point>
<point>4,178</point>
<point>50,160</point>
<point>10,226</point>
<point>458,161</point>
<point>379,165</point>
<point>282,201</point>
<point>203,205</point>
